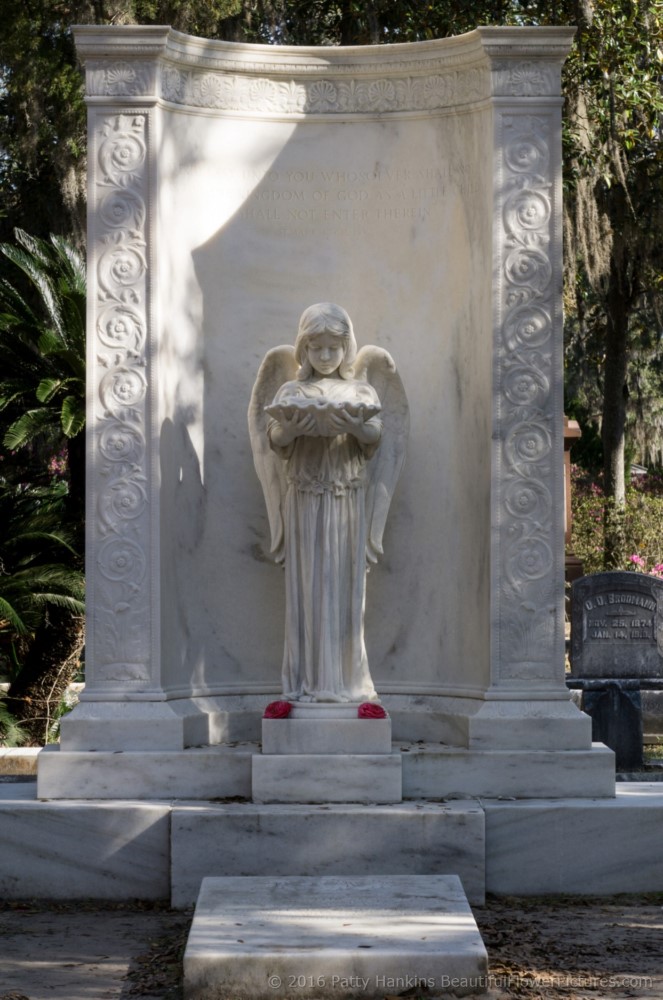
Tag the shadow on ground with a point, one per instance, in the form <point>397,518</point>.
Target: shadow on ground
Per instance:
<point>542,949</point>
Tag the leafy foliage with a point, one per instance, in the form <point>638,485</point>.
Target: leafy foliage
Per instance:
<point>614,198</point>
<point>44,352</point>
<point>11,732</point>
<point>36,555</point>
<point>643,517</point>
<point>42,395</point>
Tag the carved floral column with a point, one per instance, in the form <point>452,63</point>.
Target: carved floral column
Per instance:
<point>527,686</point>
<point>124,702</point>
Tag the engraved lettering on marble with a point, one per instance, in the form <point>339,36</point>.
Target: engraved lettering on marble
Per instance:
<point>328,430</point>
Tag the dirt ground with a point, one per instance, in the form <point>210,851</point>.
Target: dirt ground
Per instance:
<point>542,949</point>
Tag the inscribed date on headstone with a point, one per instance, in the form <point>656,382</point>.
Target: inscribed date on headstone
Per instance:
<point>617,626</point>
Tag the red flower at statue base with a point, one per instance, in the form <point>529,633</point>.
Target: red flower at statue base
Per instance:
<point>277,710</point>
<point>369,710</point>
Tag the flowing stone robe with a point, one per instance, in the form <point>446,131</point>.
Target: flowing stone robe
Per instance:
<point>325,553</point>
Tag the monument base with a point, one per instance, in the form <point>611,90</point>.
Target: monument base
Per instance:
<point>284,840</point>
<point>330,777</point>
<point>309,733</point>
<point>122,849</point>
<point>168,724</point>
<point>430,771</point>
<point>527,720</point>
<point>260,938</point>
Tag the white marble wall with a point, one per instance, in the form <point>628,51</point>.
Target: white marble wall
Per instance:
<point>417,185</point>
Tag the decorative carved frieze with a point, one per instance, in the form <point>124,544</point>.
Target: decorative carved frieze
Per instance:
<point>232,92</point>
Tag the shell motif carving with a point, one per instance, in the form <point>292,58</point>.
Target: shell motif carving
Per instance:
<point>120,79</point>
<point>526,375</point>
<point>121,621</point>
<point>526,79</point>
<point>231,92</point>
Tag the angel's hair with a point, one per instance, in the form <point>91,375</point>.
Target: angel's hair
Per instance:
<point>325,317</point>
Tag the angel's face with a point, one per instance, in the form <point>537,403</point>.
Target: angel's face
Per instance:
<point>325,353</point>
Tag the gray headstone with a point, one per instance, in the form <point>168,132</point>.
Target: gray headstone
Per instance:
<point>617,626</point>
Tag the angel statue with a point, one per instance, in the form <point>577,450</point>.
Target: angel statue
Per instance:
<point>328,430</point>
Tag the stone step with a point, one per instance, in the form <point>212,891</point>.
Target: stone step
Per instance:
<point>317,938</point>
<point>245,838</point>
<point>327,777</point>
<point>429,771</point>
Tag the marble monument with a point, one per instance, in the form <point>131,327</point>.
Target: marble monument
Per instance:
<point>420,186</point>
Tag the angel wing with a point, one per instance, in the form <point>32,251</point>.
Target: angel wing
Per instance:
<point>376,366</point>
<point>278,366</point>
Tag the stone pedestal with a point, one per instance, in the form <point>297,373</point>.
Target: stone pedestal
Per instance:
<point>326,728</point>
<point>327,778</point>
<point>322,752</point>
<point>333,937</point>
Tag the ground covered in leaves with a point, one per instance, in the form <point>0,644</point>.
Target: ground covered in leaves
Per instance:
<point>542,949</point>
<point>574,947</point>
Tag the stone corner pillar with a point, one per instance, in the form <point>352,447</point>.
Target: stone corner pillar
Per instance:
<point>126,704</point>
<point>527,704</point>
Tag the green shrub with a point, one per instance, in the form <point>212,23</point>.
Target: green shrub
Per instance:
<point>643,523</point>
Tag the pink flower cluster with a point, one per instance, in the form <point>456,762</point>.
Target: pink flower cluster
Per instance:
<point>639,564</point>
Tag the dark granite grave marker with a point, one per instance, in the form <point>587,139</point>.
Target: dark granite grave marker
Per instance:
<point>617,626</point>
<point>616,713</point>
<point>616,645</point>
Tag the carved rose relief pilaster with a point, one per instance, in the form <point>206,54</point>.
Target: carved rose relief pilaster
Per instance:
<point>526,376</point>
<point>122,640</point>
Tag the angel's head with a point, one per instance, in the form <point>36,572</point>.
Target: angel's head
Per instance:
<point>325,338</point>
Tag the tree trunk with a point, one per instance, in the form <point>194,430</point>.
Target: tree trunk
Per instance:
<point>615,395</point>
<point>35,696</point>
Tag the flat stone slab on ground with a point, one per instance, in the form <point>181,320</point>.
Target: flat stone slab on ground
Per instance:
<point>255,938</point>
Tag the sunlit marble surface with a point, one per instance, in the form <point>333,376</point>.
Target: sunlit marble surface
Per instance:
<point>257,938</point>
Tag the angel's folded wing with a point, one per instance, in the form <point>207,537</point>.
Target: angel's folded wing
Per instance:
<point>377,367</point>
<point>278,366</point>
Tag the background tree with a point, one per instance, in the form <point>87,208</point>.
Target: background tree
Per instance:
<point>41,608</point>
<point>614,205</point>
<point>42,397</point>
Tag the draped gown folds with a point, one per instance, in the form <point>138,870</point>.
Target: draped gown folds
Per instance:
<point>325,532</point>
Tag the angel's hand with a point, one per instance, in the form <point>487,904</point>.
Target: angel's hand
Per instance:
<point>365,431</point>
<point>289,428</point>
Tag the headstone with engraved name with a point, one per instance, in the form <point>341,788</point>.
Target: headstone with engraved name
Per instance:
<point>617,626</point>
<point>616,645</point>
